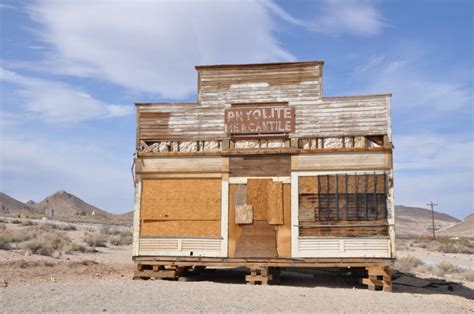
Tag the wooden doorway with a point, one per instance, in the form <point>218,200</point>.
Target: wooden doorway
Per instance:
<point>257,212</point>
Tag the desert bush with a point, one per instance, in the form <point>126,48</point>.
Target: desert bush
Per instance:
<point>27,223</point>
<point>5,241</point>
<point>123,239</point>
<point>454,245</point>
<point>68,227</point>
<point>2,226</point>
<point>15,221</point>
<point>17,236</point>
<point>76,247</point>
<point>96,239</point>
<point>449,268</point>
<point>48,244</point>
<point>469,275</point>
<point>438,272</point>
<point>408,263</point>
<point>110,231</point>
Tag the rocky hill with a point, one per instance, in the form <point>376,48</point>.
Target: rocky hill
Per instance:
<point>9,205</point>
<point>64,204</point>
<point>462,229</point>
<point>417,221</point>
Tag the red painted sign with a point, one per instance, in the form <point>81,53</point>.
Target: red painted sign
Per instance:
<point>260,120</point>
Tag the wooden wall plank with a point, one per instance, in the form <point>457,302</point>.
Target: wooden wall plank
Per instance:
<point>179,164</point>
<point>194,229</point>
<point>260,166</point>
<point>314,116</point>
<point>343,161</point>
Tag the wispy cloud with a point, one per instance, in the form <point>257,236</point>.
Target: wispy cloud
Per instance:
<point>55,101</point>
<point>152,46</point>
<point>338,17</point>
<point>355,17</point>
<point>414,89</point>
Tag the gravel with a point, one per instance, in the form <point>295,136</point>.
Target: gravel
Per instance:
<point>171,296</point>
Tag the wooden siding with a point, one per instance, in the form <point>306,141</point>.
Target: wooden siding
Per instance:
<point>180,164</point>
<point>319,117</point>
<point>343,161</point>
<point>252,84</point>
<point>260,166</point>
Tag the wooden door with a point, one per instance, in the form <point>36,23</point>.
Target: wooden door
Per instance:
<point>268,233</point>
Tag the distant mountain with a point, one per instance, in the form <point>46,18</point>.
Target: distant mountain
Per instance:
<point>462,229</point>
<point>64,204</point>
<point>30,203</point>
<point>417,221</point>
<point>9,205</point>
<point>126,216</point>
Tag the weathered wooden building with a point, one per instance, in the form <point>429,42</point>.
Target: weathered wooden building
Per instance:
<point>265,172</point>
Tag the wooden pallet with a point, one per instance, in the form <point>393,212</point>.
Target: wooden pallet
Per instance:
<point>263,270</point>
<point>258,275</point>
<point>144,271</point>
<point>378,278</point>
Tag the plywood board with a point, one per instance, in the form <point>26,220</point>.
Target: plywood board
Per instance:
<point>181,199</point>
<point>257,196</point>
<point>275,203</point>
<point>307,185</point>
<point>195,229</point>
<point>284,231</point>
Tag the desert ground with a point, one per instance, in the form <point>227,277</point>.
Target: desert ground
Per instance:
<point>57,267</point>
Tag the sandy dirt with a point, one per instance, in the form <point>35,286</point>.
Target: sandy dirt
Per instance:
<point>102,281</point>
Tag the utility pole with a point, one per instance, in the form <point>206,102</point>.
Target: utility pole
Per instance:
<point>432,218</point>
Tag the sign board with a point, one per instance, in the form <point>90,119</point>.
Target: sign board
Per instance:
<point>260,120</point>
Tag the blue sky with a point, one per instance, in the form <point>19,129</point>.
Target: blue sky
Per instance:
<point>71,70</point>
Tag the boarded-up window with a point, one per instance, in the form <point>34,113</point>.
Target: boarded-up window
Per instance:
<point>343,205</point>
<point>343,197</point>
<point>181,207</point>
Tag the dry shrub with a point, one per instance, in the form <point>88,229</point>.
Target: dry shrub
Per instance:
<point>438,272</point>
<point>48,244</point>
<point>17,236</point>
<point>2,226</point>
<point>449,268</point>
<point>96,239</point>
<point>68,227</point>
<point>110,231</point>
<point>453,245</point>
<point>27,223</point>
<point>15,221</point>
<point>4,241</point>
<point>123,239</point>
<point>76,247</point>
<point>117,236</point>
<point>408,263</point>
<point>469,275</point>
